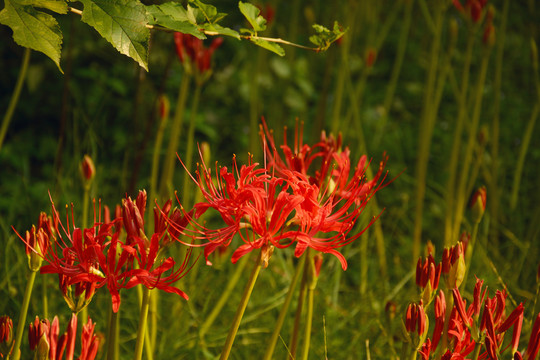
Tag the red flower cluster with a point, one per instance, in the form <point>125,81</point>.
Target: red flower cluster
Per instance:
<point>290,201</point>
<point>88,259</point>
<point>44,340</point>
<point>473,8</point>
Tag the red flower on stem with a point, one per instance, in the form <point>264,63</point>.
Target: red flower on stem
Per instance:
<point>191,50</point>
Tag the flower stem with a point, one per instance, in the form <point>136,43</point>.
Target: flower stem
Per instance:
<point>112,339</point>
<point>301,299</point>
<point>469,253</point>
<point>22,316</point>
<point>188,160</point>
<point>224,296</point>
<point>15,97</point>
<point>284,308</point>
<point>241,308</point>
<point>142,324</point>
<point>309,320</point>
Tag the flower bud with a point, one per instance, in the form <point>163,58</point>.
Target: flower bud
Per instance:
<point>478,204</point>
<point>88,170</point>
<point>6,336</point>
<point>371,56</point>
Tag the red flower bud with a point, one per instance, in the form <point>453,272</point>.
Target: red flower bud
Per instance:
<point>88,169</point>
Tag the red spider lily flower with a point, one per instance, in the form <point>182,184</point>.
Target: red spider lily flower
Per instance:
<point>425,350</point>
<point>440,317</point>
<point>416,324</point>
<point>460,305</point>
<point>6,336</point>
<point>133,216</point>
<point>453,265</point>
<point>450,355</point>
<point>534,340</point>
<point>427,278</point>
<point>478,297</point>
<point>191,49</point>
<point>88,169</point>
<point>89,342</point>
<point>37,241</point>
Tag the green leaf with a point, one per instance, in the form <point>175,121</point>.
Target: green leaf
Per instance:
<point>220,30</point>
<point>324,37</point>
<point>33,29</point>
<point>173,16</point>
<point>268,46</point>
<point>208,11</point>
<point>58,6</point>
<point>122,23</point>
<point>251,12</point>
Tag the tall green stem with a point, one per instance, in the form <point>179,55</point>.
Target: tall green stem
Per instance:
<point>168,166</point>
<point>188,161</point>
<point>15,97</point>
<point>142,324</point>
<point>112,338</point>
<point>241,308</point>
<point>309,321</point>
<point>284,308</point>
<point>22,316</point>
<point>427,123</point>
<point>298,316</point>
<point>456,143</point>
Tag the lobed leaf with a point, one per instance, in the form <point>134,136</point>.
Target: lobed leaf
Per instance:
<point>275,48</point>
<point>175,17</point>
<point>251,12</point>
<point>34,29</point>
<point>122,23</point>
<point>209,12</point>
<point>324,37</point>
<point>220,30</point>
<point>58,6</point>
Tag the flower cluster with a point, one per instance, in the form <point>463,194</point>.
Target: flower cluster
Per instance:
<point>116,254</point>
<point>46,343</point>
<point>192,52</point>
<point>310,198</point>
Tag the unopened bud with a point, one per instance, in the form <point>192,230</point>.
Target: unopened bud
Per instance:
<point>164,107</point>
<point>371,56</point>
<point>478,204</point>
<point>88,170</point>
<point>42,352</point>
<point>6,336</point>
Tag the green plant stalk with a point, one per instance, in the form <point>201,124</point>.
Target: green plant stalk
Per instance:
<point>466,164</point>
<point>112,336</point>
<point>22,316</point>
<point>426,130</point>
<point>309,320</point>
<point>469,253</point>
<point>284,308</point>
<point>456,143</point>
<point>239,270</point>
<point>188,161</point>
<point>298,316</point>
<point>476,352</point>
<point>45,298</point>
<point>495,128</point>
<point>396,69</point>
<point>142,324</point>
<point>254,147</point>
<point>15,96</point>
<point>241,308</point>
<point>155,163</point>
<point>522,155</point>
<point>168,166</point>
<point>86,196</point>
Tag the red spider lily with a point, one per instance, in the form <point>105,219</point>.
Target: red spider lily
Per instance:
<point>6,336</point>
<point>440,317</point>
<point>427,277</point>
<point>534,340</point>
<point>473,8</point>
<point>89,342</point>
<point>453,265</point>
<point>425,350</point>
<point>478,204</point>
<point>416,324</point>
<point>189,48</point>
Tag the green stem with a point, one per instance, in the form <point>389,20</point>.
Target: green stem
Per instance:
<point>522,154</point>
<point>45,298</point>
<point>142,324</point>
<point>427,123</point>
<point>241,308</point>
<point>112,339</point>
<point>254,108</point>
<point>15,97</point>
<point>239,270</point>
<point>477,351</point>
<point>86,196</point>
<point>284,308</point>
<point>22,316</point>
<point>460,195</point>
<point>168,166</point>
<point>309,320</point>
<point>188,160</point>
<point>456,143</point>
<point>298,316</point>
<point>469,253</point>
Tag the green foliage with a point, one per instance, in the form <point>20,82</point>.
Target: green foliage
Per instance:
<point>258,23</point>
<point>33,28</point>
<point>174,16</point>
<point>325,37</point>
<point>122,23</point>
